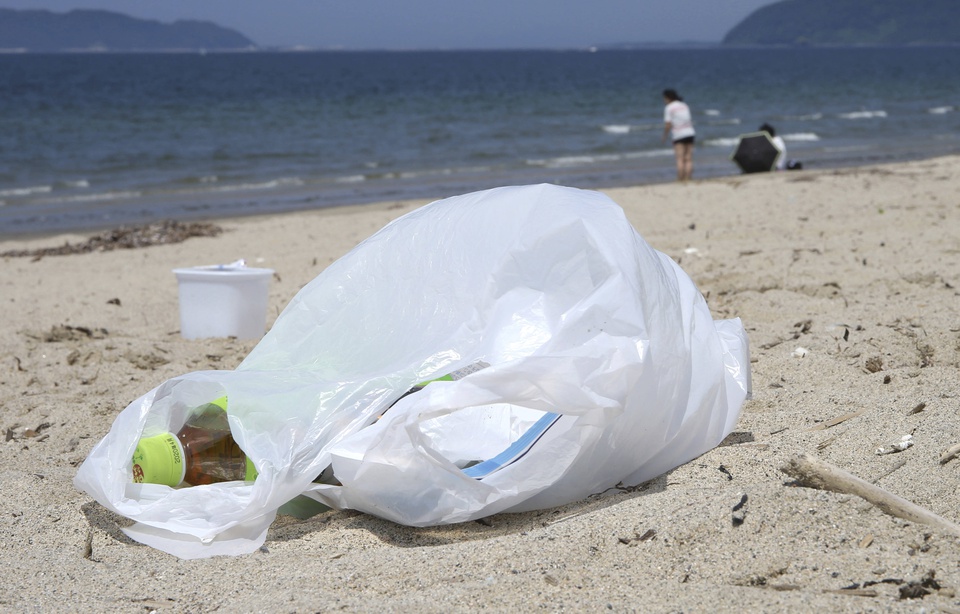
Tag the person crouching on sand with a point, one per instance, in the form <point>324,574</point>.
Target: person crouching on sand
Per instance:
<point>678,124</point>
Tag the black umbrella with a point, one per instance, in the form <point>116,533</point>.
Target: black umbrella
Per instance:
<point>756,153</point>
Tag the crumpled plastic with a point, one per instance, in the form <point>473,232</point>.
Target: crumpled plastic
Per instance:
<point>578,317</point>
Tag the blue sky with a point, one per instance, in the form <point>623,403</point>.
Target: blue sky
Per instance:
<point>443,24</point>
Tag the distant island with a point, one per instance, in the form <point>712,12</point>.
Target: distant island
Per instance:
<point>850,22</point>
<point>93,30</point>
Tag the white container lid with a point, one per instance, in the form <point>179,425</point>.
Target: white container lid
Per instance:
<point>235,270</point>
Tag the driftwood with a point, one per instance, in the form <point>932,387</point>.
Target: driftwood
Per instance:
<point>950,454</point>
<point>814,473</point>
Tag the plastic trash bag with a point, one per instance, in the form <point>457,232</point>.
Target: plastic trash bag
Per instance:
<point>605,367</point>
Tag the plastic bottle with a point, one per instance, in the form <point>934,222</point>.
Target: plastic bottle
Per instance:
<point>204,452</point>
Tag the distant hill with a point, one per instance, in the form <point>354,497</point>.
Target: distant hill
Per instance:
<point>850,22</point>
<point>89,30</point>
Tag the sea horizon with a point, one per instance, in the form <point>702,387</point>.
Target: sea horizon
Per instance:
<point>652,45</point>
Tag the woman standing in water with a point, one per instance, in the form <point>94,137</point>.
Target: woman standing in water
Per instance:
<point>679,126</point>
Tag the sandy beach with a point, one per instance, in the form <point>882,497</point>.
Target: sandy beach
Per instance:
<point>846,280</point>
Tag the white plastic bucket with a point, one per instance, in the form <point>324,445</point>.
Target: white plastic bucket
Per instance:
<point>223,301</point>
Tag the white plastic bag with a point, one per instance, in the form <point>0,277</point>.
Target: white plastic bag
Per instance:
<point>605,367</point>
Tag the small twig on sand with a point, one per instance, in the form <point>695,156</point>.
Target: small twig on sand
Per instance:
<point>835,421</point>
<point>950,454</point>
<point>809,471</point>
<point>888,472</point>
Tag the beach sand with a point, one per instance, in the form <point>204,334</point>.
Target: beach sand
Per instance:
<point>846,280</point>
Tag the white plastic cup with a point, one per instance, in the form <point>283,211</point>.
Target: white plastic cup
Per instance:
<point>223,301</point>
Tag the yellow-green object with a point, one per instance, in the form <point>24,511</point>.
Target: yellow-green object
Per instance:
<point>456,375</point>
<point>159,460</point>
<point>251,473</point>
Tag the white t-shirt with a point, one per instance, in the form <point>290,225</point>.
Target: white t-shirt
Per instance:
<point>779,144</point>
<point>677,114</point>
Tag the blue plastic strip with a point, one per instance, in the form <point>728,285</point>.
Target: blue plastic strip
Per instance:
<point>516,449</point>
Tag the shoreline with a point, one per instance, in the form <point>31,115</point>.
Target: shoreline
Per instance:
<point>254,203</point>
<point>846,280</point>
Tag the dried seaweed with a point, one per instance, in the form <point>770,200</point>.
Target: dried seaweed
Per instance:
<point>125,237</point>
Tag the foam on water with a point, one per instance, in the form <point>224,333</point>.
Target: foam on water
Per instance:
<point>723,142</point>
<point>39,189</point>
<point>863,114</point>
<point>940,110</point>
<point>616,128</point>
<point>655,153</point>
<point>351,179</point>
<point>801,136</point>
<point>569,161</point>
<point>282,182</point>
<point>99,196</point>
<point>806,117</point>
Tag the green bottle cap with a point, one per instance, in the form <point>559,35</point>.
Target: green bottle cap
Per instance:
<point>159,460</point>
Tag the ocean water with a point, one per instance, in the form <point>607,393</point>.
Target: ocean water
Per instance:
<point>99,140</point>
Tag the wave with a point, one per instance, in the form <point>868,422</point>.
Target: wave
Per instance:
<point>627,128</point>
<point>434,172</point>
<point>282,182</point>
<point>207,180</point>
<point>616,128</point>
<point>351,179</point>
<point>711,112</point>
<point>566,161</point>
<point>101,196</point>
<point>39,189</point>
<point>419,174</point>
<point>801,136</point>
<point>654,153</point>
<point>808,117</point>
<point>587,160</point>
<point>863,114</point>
<point>722,142</point>
<point>79,183</point>
<point>941,110</point>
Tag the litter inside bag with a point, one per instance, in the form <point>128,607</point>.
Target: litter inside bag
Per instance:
<point>601,365</point>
